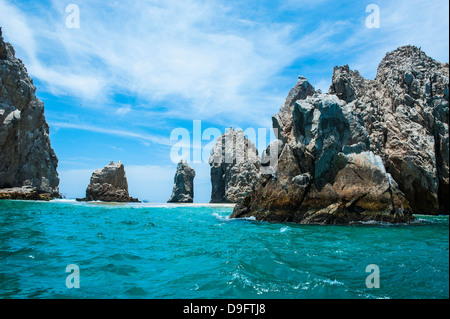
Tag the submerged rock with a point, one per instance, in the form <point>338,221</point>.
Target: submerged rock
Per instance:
<point>27,160</point>
<point>183,188</point>
<point>109,184</point>
<point>235,167</point>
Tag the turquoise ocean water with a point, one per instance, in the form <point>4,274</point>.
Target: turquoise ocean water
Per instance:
<point>195,251</point>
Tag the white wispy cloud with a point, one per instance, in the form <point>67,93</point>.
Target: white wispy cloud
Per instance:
<point>161,140</point>
<point>198,52</point>
<point>123,110</point>
<point>416,22</point>
<point>14,22</point>
<point>203,59</point>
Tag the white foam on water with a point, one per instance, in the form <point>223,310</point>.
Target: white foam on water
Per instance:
<point>63,200</point>
<point>221,218</point>
<point>285,229</point>
<point>248,218</point>
<point>332,282</point>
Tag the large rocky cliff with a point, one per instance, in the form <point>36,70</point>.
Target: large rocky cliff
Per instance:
<point>27,161</point>
<point>235,167</point>
<point>405,111</point>
<point>367,150</point>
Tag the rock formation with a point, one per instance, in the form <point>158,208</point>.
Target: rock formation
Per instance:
<point>183,188</point>
<point>405,111</point>
<point>282,121</point>
<point>368,150</point>
<point>326,173</point>
<point>109,184</point>
<point>235,167</point>
<point>24,193</point>
<point>27,161</point>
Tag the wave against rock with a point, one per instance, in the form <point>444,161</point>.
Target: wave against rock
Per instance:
<point>27,161</point>
<point>368,150</point>
<point>109,184</point>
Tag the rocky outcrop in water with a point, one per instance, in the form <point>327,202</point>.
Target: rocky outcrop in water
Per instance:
<point>109,184</point>
<point>27,161</point>
<point>183,188</point>
<point>326,173</point>
<point>405,111</point>
<point>235,167</point>
<point>368,150</point>
<point>24,193</point>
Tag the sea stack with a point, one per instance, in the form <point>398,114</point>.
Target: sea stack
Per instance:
<point>367,151</point>
<point>109,184</point>
<point>27,161</point>
<point>183,188</point>
<point>235,167</point>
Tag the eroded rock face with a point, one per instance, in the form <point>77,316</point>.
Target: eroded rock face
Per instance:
<point>405,111</point>
<point>235,167</point>
<point>368,150</point>
<point>24,193</point>
<point>183,188</point>
<point>26,156</point>
<point>326,173</point>
<point>282,121</point>
<point>109,184</point>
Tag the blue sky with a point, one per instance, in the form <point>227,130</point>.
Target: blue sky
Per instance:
<point>115,88</point>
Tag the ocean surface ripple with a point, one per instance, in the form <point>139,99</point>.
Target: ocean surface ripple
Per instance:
<point>196,251</point>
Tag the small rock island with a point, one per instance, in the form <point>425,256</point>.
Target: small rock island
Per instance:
<point>183,188</point>
<point>109,184</point>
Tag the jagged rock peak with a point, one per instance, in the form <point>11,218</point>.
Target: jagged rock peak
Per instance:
<point>347,84</point>
<point>26,156</point>
<point>183,188</point>
<point>407,56</point>
<point>282,121</point>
